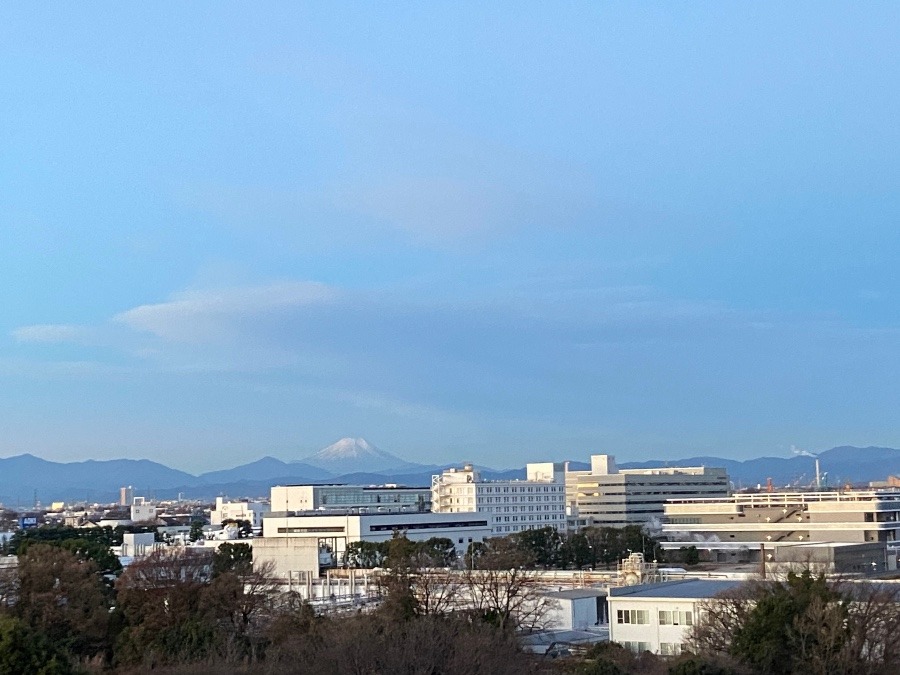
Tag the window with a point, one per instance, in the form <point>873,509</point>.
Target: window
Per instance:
<point>633,616</point>
<point>669,648</point>
<point>636,647</point>
<point>676,618</point>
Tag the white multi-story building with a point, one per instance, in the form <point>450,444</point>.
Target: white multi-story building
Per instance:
<point>510,505</point>
<point>244,510</point>
<point>659,617</point>
<point>613,497</point>
<point>375,498</point>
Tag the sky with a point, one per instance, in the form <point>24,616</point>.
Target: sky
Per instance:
<point>507,233</point>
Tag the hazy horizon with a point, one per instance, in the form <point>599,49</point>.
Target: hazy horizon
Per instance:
<point>462,232</point>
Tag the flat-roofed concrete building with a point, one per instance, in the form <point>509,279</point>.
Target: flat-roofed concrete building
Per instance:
<point>509,505</point>
<point>659,617</point>
<point>376,498</point>
<point>331,532</point>
<point>613,497</point>
<point>746,521</point>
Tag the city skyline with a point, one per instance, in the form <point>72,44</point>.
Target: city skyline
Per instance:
<point>460,232</point>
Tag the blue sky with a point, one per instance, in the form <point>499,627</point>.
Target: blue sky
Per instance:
<point>499,234</point>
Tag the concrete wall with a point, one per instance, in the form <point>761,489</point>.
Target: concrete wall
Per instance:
<point>288,554</point>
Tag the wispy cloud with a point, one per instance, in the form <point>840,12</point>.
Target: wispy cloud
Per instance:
<point>197,316</point>
<point>51,333</point>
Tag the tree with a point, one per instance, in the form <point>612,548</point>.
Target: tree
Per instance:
<point>245,529</point>
<point>164,614</point>
<point>63,597</point>
<point>508,599</point>
<point>500,553</point>
<point>235,558</point>
<point>365,554</point>
<point>399,599</point>
<point>86,543</point>
<point>196,533</point>
<point>436,552</point>
<point>576,550</point>
<point>9,586</point>
<point>25,650</point>
<point>689,555</point>
<point>543,546</point>
<point>803,624</point>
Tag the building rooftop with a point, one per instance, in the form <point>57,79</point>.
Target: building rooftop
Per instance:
<point>780,497</point>
<point>387,486</point>
<point>685,588</point>
<point>576,593</point>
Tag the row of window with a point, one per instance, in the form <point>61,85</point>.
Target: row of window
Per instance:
<point>513,528</point>
<point>506,500</point>
<point>505,519</point>
<point>665,648</point>
<point>467,489</point>
<point>676,618</point>
<point>666,617</point>
<point>518,509</point>
<point>632,616</point>
<point>545,488</point>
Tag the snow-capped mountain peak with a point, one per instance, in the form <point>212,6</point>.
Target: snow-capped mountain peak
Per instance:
<point>350,455</point>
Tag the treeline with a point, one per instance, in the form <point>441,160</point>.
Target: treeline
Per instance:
<point>179,610</point>
<point>542,548</point>
<point>545,548</point>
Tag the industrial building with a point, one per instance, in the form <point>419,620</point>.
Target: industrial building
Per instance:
<point>746,521</point>
<point>613,497</point>
<point>510,506</point>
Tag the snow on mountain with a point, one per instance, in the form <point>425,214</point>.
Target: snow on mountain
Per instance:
<point>353,455</point>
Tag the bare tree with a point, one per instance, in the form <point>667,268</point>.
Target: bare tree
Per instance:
<point>437,591</point>
<point>167,567</point>
<point>507,598</point>
<point>9,585</point>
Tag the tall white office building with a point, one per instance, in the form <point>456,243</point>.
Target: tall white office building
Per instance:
<point>510,505</point>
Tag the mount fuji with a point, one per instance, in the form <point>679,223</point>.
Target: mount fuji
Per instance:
<point>357,455</point>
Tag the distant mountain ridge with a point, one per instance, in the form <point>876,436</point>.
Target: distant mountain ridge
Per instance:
<point>357,461</point>
<point>843,464</point>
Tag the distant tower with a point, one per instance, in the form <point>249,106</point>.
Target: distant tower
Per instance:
<point>126,496</point>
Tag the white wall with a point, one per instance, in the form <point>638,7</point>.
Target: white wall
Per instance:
<point>572,614</point>
<point>653,633</point>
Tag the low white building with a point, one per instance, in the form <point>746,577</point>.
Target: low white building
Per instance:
<point>658,618</point>
<point>253,512</point>
<point>137,545</point>
<point>291,538</point>
<point>577,609</point>
<point>510,505</point>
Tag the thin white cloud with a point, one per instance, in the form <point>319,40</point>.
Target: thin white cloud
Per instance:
<point>194,316</point>
<point>50,333</point>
